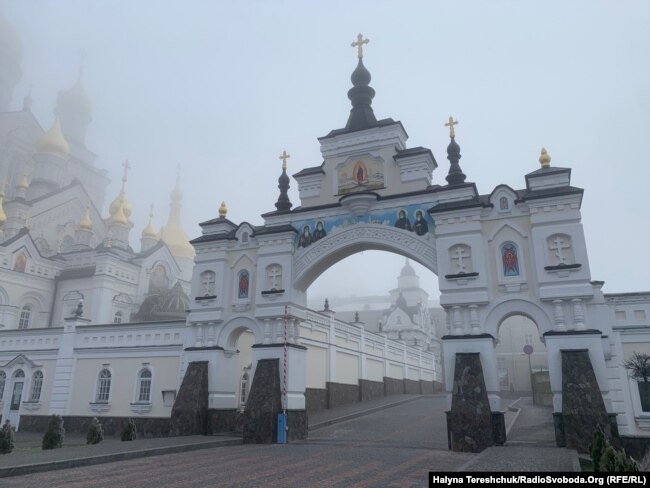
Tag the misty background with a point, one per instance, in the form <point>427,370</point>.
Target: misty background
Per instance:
<point>222,87</point>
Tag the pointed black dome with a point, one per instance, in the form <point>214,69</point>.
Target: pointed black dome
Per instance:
<point>361,95</point>
<point>283,204</point>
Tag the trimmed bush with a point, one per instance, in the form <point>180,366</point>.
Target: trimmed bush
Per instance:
<point>53,438</point>
<point>95,432</point>
<point>129,431</point>
<point>6,438</point>
<point>606,458</point>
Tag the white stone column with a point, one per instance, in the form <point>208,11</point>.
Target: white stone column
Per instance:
<point>473,319</point>
<point>457,320</point>
<point>578,314</point>
<point>559,322</point>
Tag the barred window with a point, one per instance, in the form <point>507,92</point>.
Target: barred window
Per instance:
<point>144,386</point>
<point>103,386</point>
<point>37,386</point>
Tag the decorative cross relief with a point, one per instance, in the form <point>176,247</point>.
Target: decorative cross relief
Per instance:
<point>274,277</point>
<point>558,244</point>
<point>459,256</point>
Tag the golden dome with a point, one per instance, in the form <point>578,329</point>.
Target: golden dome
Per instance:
<point>223,210</point>
<point>53,141</point>
<point>118,217</point>
<point>24,183</point>
<point>150,230</point>
<point>544,159</point>
<point>173,234</point>
<point>85,223</point>
<point>3,215</point>
<point>121,207</point>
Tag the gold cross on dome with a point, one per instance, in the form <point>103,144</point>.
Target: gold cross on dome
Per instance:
<point>284,156</point>
<point>451,124</point>
<point>359,45</point>
<point>127,167</point>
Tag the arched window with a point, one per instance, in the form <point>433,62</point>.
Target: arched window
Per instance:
<point>274,277</point>
<point>103,386</point>
<point>503,203</point>
<point>37,386</point>
<point>3,381</point>
<point>208,279</point>
<point>243,284</point>
<point>67,243</point>
<point>25,317</point>
<point>244,237</point>
<point>20,263</point>
<point>117,318</point>
<point>144,386</point>
<point>509,259</point>
<point>159,281</point>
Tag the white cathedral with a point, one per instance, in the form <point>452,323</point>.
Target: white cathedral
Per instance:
<point>91,327</point>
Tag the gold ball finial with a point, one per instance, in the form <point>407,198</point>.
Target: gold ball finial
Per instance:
<point>544,159</point>
<point>223,210</point>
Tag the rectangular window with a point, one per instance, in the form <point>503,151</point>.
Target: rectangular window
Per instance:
<point>619,314</point>
<point>529,339</point>
<point>23,322</point>
<point>639,315</point>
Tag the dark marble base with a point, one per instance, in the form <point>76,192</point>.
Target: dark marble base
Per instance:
<point>499,428</point>
<point>225,421</point>
<point>146,427</point>
<point>411,387</point>
<point>190,410</point>
<point>369,390</point>
<point>341,394</point>
<point>469,422</point>
<point>558,424</point>
<point>393,386</point>
<point>315,399</point>
<point>298,427</point>
<point>264,403</point>
<point>427,387</point>
<point>636,447</point>
<point>583,409</point>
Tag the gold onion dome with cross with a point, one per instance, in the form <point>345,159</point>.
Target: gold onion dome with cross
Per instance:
<point>85,223</point>
<point>120,208</point>
<point>150,230</point>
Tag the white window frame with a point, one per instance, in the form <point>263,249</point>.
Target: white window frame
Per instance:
<point>25,318</point>
<point>102,392</point>
<point>140,383</point>
<point>37,386</point>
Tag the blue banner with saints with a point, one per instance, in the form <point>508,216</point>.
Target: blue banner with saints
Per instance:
<point>412,218</point>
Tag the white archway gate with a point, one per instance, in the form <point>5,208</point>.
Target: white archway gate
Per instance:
<point>510,251</point>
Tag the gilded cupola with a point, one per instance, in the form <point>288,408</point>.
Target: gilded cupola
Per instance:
<point>53,141</point>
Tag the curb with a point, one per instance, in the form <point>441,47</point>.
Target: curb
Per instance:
<point>109,458</point>
<point>362,413</point>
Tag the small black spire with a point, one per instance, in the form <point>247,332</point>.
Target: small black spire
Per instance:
<point>327,305</point>
<point>283,204</point>
<point>361,94</point>
<point>455,175</point>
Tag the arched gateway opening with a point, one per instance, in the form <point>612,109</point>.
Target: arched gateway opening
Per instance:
<point>510,251</point>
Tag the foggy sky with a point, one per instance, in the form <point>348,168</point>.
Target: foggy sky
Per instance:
<point>221,88</point>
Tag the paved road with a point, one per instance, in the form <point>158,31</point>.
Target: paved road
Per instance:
<point>393,447</point>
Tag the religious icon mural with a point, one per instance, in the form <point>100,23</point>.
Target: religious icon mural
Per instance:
<point>509,259</point>
<point>403,221</point>
<point>412,218</point>
<point>360,175</point>
<point>244,280</point>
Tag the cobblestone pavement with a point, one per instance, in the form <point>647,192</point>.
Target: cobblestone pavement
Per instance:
<point>393,447</point>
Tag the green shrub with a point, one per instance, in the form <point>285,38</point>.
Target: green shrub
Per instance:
<point>129,431</point>
<point>606,458</point>
<point>53,438</point>
<point>6,438</point>
<point>95,432</point>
